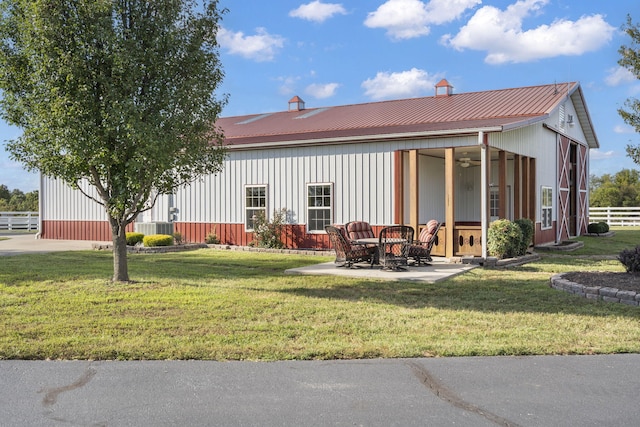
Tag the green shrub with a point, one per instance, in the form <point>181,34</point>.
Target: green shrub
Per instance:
<point>212,237</point>
<point>268,234</point>
<point>504,239</point>
<point>134,238</point>
<point>526,226</point>
<point>598,227</point>
<point>158,240</point>
<point>630,258</point>
<point>177,238</point>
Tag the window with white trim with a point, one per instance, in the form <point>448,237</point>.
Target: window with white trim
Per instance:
<point>546,203</point>
<point>255,197</point>
<point>494,203</point>
<point>319,206</point>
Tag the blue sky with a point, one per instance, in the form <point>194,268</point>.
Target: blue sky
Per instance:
<point>335,53</point>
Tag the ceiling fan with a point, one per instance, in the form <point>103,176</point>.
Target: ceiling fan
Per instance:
<point>465,162</point>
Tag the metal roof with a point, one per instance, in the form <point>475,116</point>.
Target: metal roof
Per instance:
<point>494,111</point>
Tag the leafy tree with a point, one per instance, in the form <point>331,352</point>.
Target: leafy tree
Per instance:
<point>119,94</point>
<point>16,200</point>
<point>630,59</point>
<point>620,190</point>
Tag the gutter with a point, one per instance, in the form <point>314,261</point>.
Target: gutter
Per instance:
<point>366,138</point>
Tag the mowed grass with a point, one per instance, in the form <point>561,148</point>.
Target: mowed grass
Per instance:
<point>221,305</point>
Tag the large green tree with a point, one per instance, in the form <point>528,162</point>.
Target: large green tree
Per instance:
<point>620,190</point>
<point>119,94</point>
<point>630,59</point>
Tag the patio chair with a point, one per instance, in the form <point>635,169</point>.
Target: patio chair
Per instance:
<point>359,230</point>
<point>420,250</point>
<point>348,253</point>
<point>394,246</point>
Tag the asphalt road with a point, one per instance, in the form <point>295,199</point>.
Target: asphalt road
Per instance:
<point>474,391</point>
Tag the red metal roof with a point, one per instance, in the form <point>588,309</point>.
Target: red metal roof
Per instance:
<point>457,113</point>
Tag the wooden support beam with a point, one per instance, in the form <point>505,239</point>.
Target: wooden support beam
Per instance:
<point>398,186</point>
<point>517,182</point>
<point>525,187</point>
<point>414,200</point>
<point>502,184</point>
<point>449,172</point>
<point>532,189</point>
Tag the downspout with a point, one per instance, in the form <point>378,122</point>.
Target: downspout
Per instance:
<point>484,223</point>
<point>39,233</point>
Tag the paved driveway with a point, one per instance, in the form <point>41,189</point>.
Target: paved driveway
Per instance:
<point>20,243</point>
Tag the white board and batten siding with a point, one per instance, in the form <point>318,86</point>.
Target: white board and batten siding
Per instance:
<point>361,180</point>
<point>59,202</point>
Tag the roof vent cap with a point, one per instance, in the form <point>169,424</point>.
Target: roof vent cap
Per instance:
<point>444,88</point>
<point>296,104</point>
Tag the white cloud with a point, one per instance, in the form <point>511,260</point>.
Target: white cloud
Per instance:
<point>405,19</point>
<point>288,85</point>
<point>596,154</point>
<point>260,47</point>
<point>322,91</point>
<point>317,11</point>
<point>623,129</point>
<point>619,75</point>
<point>500,33</point>
<point>404,84</point>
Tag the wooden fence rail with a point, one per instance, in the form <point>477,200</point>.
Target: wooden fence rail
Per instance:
<point>19,221</point>
<point>615,216</point>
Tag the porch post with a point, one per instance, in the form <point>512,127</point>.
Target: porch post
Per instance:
<point>484,190</point>
<point>532,189</point>
<point>398,208</point>
<point>414,205</point>
<point>502,184</point>
<point>525,187</point>
<point>449,205</point>
<point>516,186</point>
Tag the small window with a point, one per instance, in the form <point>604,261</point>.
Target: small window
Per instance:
<point>319,206</point>
<point>255,204</point>
<point>546,216</point>
<point>494,203</point>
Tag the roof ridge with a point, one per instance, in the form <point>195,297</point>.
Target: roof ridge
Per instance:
<point>569,85</point>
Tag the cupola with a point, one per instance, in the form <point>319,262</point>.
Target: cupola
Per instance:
<point>296,104</point>
<point>444,88</point>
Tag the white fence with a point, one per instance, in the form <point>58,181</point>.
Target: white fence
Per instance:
<point>19,221</point>
<point>615,216</point>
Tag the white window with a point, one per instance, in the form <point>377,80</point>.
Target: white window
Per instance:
<point>546,215</point>
<point>319,206</point>
<point>494,203</point>
<point>255,204</point>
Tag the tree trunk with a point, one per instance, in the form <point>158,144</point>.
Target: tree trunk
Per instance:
<point>119,238</point>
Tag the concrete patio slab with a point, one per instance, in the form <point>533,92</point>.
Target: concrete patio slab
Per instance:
<point>437,271</point>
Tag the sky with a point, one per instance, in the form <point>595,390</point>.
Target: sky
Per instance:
<point>337,53</point>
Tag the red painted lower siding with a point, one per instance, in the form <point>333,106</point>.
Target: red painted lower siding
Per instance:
<point>78,230</point>
<point>295,236</point>
<point>544,236</point>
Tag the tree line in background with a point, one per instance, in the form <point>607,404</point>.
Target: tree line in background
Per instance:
<point>623,188</point>
<point>17,201</point>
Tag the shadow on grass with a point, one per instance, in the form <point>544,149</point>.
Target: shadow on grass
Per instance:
<point>465,293</point>
<point>204,264</point>
<point>525,289</point>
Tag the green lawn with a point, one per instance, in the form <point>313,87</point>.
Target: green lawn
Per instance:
<point>221,305</point>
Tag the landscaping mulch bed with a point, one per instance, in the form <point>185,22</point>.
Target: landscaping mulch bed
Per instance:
<point>621,281</point>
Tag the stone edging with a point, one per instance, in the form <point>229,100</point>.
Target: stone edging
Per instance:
<point>603,293</point>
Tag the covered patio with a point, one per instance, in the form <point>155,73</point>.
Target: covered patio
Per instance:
<point>465,187</point>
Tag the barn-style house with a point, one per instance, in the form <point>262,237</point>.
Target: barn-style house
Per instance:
<point>464,159</point>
